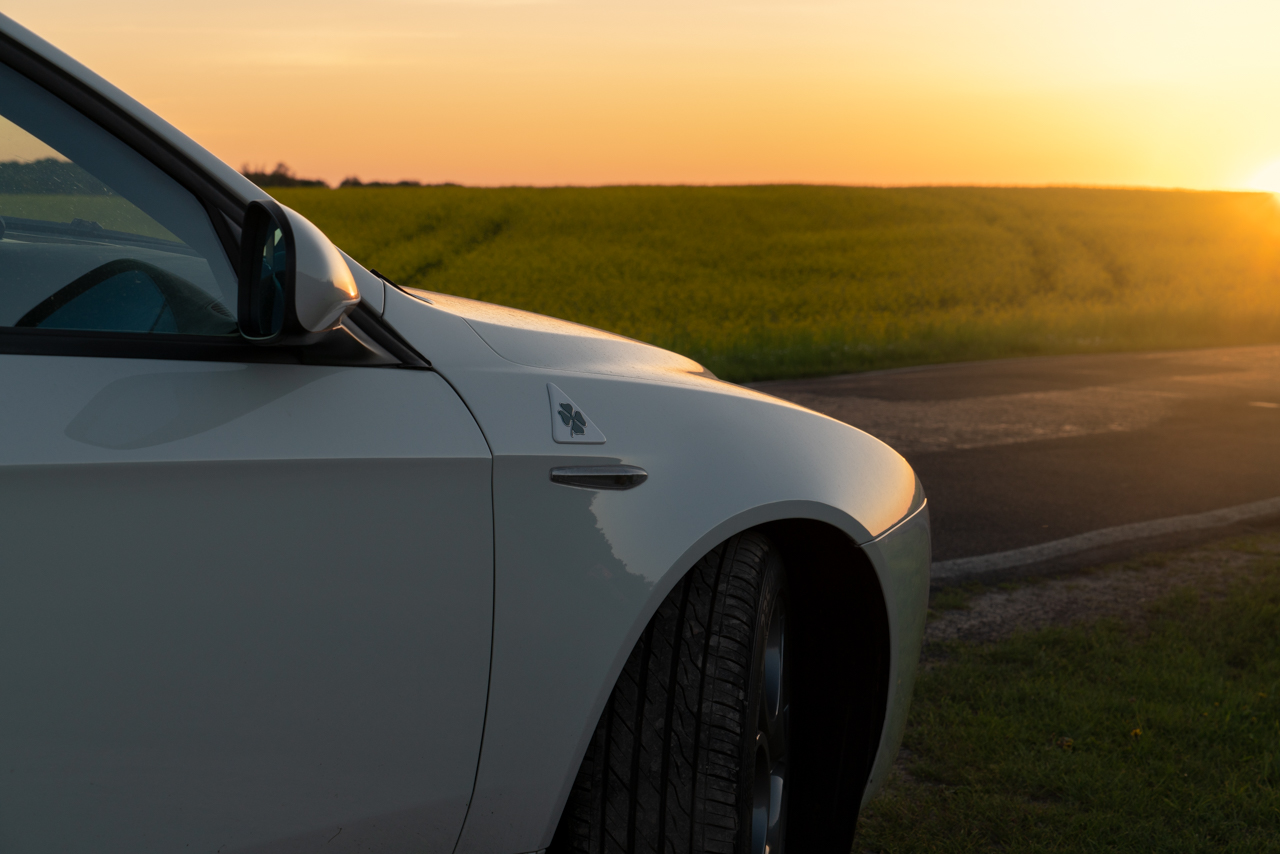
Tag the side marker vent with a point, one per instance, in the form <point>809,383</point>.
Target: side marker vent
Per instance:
<point>600,477</point>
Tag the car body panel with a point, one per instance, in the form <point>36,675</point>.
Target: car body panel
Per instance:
<point>241,605</point>
<point>901,557</point>
<point>538,341</point>
<point>578,573</point>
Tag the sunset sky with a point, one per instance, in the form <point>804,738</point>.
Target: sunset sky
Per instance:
<point>1102,92</point>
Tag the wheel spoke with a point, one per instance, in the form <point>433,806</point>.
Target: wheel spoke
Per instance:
<point>774,678</point>
<point>777,735</point>
<point>777,790</point>
<point>768,831</point>
<point>761,799</point>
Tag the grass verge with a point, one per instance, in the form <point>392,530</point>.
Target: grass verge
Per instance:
<point>1158,734</point>
<point>767,282</point>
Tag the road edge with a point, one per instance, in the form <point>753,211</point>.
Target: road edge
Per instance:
<point>969,567</point>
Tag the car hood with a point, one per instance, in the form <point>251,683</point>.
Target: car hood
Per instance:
<point>538,341</point>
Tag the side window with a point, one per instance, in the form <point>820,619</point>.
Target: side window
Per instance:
<point>95,237</point>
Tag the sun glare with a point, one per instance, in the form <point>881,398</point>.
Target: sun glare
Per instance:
<point>1268,178</point>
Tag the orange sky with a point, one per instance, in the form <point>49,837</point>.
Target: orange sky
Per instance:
<point>1127,92</point>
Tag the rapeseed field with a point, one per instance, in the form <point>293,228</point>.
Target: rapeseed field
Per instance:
<point>778,281</point>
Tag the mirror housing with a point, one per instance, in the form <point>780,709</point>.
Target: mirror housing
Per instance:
<point>294,284</point>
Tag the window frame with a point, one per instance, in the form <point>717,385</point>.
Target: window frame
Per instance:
<point>226,214</point>
<point>57,82</point>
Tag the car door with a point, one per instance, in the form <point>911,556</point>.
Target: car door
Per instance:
<point>245,601</point>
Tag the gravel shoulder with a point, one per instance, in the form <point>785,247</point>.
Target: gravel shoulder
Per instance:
<point>1123,591</point>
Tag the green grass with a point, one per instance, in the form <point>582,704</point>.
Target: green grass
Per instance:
<point>953,598</point>
<point>1158,738</point>
<point>777,281</point>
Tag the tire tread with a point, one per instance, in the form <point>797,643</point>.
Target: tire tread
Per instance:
<point>661,772</point>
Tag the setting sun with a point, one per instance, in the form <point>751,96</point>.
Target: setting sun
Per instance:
<point>1268,178</point>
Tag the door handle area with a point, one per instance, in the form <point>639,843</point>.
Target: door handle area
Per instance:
<point>599,477</point>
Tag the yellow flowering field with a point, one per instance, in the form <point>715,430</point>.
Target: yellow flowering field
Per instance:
<point>775,281</point>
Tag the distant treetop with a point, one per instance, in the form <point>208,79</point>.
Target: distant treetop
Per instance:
<point>282,176</point>
<point>353,181</point>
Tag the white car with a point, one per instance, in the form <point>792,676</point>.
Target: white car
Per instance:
<point>298,560</point>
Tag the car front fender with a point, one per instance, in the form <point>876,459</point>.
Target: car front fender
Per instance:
<point>579,573</point>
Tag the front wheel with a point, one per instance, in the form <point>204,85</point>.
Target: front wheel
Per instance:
<point>691,751</point>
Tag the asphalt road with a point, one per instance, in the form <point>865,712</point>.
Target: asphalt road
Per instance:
<point>1020,452</point>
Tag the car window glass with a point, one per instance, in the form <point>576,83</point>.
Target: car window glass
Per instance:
<point>95,237</point>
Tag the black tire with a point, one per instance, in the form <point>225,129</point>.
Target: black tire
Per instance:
<point>690,754</point>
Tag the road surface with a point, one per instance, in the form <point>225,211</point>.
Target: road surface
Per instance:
<point>1021,452</point>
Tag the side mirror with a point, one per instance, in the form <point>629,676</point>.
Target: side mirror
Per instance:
<point>294,284</point>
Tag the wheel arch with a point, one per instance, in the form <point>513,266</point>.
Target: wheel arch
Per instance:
<point>841,674</point>
<point>840,605</point>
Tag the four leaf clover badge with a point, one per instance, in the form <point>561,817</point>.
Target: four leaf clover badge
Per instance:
<point>573,419</point>
<point>569,424</point>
